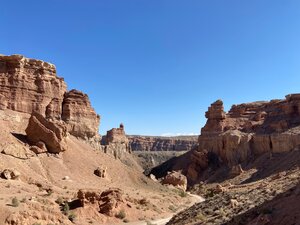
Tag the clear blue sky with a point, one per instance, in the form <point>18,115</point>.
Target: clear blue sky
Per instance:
<point>156,65</point>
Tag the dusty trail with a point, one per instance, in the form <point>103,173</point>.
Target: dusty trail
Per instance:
<point>163,221</point>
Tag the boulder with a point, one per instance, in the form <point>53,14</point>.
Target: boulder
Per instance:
<point>101,172</point>
<point>88,198</point>
<point>53,135</point>
<point>9,174</point>
<point>39,148</point>
<point>176,179</point>
<point>236,170</point>
<point>110,201</point>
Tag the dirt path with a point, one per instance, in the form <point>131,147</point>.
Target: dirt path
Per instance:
<point>163,221</point>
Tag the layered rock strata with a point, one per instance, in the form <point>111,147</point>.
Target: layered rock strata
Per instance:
<point>30,85</point>
<point>82,121</point>
<point>246,131</point>
<point>41,131</point>
<point>149,143</point>
<point>116,142</point>
<point>108,202</point>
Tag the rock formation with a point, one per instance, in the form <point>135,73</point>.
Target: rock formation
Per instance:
<point>10,174</point>
<point>108,202</point>
<point>101,172</point>
<point>81,119</point>
<point>53,135</point>
<point>116,142</point>
<point>116,135</point>
<point>246,131</point>
<point>176,179</point>
<point>149,143</point>
<point>30,85</point>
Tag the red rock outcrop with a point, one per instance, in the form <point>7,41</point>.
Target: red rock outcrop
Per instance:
<point>248,130</point>
<point>149,143</point>
<point>176,179</point>
<point>52,134</point>
<point>82,121</point>
<point>108,202</point>
<point>30,85</point>
<point>116,142</point>
<point>116,135</point>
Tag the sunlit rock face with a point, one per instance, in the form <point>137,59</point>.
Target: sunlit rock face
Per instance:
<point>248,130</point>
<point>30,85</point>
<point>82,120</point>
<point>151,143</point>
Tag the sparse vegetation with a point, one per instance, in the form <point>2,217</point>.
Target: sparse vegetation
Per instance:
<point>66,208</point>
<point>59,201</point>
<point>126,221</point>
<point>72,216</point>
<point>172,208</point>
<point>15,202</point>
<point>121,214</point>
<point>200,217</point>
<point>182,194</point>
<point>49,192</point>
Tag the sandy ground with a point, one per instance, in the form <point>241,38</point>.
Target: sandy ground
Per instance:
<point>163,221</point>
<point>47,171</point>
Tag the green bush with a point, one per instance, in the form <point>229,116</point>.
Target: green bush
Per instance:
<point>66,209</point>
<point>121,214</point>
<point>15,202</point>
<point>182,193</point>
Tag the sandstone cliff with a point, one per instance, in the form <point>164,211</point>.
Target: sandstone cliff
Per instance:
<point>30,85</point>
<point>151,143</point>
<point>247,131</point>
<point>77,112</point>
<point>236,137</point>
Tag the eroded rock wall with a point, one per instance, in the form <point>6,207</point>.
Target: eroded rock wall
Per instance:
<point>30,85</point>
<point>77,112</point>
<point>149,143</point>
<point>246,131</point>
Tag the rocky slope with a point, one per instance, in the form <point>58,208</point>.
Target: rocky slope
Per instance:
<point>50,173</point>
<point>149,159</point>
<point>265,193</point>
<point>244,133</point>
<point>246,163</point>
<point>30,85</point>
<point>152,143</point>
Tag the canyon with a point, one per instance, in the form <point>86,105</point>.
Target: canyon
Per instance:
<point>55,168</point>
<point>246,164</point>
